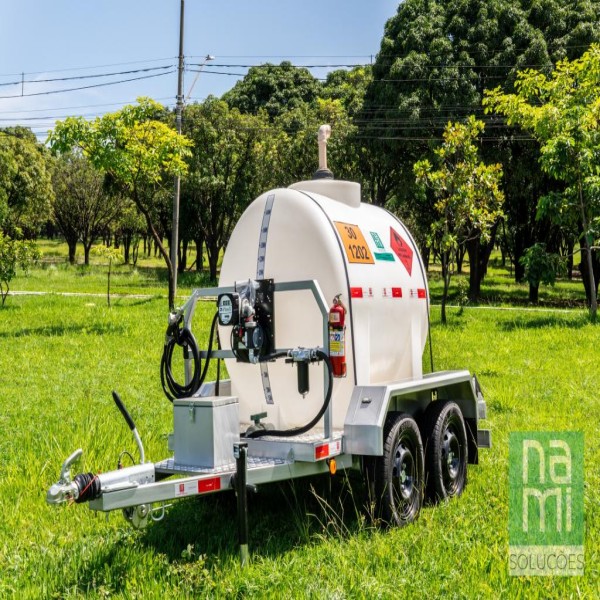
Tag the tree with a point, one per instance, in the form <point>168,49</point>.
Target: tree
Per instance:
<point>129,227</point>
<point>13,254</point>
<point>540,267</point>
<point>562,111</point>
<point>273,88</point>
<point>468,199</point>
<point>435,61</point>
<point>110,254</point>
<point>138,151</point>
<point>229,166</point>
<point>82,207</point>
<point>25,183</point>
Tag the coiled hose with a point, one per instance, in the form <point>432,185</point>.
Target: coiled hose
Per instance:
<point>299,430</point>
<point>183,337</point>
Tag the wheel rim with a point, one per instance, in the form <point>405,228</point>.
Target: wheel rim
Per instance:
<point>403,471</point>
<point>405,481</point>
<point>451,457</point>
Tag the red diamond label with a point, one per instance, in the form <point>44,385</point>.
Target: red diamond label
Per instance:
<point>402,250</point>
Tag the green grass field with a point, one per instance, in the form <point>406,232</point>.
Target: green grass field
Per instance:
<point>60,357</point>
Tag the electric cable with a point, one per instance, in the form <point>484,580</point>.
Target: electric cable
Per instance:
<point>91,76</point>
<point>87,87</point>
<point>304,428</point>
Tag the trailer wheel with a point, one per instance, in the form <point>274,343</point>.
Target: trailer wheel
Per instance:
<point>446,450</point>
<point>399,472</point>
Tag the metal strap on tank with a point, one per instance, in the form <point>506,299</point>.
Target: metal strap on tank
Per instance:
<point>343,255</point>
<point>260,274</point>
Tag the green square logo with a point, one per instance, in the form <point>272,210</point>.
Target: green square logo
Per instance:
<point>545,507</point>
<point>377,240</point>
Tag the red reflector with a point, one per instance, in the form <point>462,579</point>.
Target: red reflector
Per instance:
<point>356,292</point>
<point>322,451</point>
<point>422,293</point>
<point>396,292</point>
<point>209,485</point>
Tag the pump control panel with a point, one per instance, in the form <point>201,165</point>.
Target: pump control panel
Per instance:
<point>249,311</point>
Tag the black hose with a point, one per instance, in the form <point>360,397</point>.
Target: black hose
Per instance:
<point>300,430</point>
<point>183,337</point>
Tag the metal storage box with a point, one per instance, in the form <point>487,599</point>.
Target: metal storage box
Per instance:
<point>205,430</point>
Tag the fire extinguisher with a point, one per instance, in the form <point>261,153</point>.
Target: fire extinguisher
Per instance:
<point>337,337</point>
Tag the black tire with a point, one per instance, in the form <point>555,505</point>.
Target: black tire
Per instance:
<point>399,472</point>
<point>446,450</point>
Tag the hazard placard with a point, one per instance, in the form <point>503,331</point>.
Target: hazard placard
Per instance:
<point>354,243</point>
<point>401,249</point>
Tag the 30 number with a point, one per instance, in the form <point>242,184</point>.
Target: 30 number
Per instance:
<point>351,233</point>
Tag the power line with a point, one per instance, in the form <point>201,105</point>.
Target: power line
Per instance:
<point>31,110</point>
<point>94,76</point>
<point>87,87</point>
<point>119,64</point>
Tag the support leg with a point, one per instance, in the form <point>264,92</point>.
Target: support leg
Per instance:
<point>240,452</point>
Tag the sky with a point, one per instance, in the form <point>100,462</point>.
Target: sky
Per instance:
<point>42,40</point>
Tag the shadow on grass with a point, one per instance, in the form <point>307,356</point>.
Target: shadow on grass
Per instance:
<point>60,330</point>
<point>124,302</point>
<point>544,322</point>
<point>9,307</point>
<point>281,517</point>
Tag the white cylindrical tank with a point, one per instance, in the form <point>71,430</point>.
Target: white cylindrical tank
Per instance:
<point>321,230</point>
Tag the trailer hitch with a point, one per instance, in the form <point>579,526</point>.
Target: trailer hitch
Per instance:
<point>64,489</point>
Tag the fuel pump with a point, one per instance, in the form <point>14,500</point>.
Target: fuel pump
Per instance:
<point>249,312</point>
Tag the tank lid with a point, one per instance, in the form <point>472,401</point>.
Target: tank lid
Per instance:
<point>347,192</point>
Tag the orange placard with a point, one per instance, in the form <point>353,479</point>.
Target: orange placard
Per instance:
<point>354,243</point>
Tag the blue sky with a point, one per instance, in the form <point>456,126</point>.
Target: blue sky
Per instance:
<point>78,38</point>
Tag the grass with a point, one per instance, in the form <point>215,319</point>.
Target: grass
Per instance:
<point>60,357</point>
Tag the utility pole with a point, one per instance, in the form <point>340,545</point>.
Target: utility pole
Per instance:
<point>178,113</point>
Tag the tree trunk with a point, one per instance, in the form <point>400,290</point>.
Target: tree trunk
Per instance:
<point>182,255</point>
<point>425,255</point>
<point>592,288</point>
<point>479,257</point>
<point>533,293</point>
<point>159,245</point>
<point>86,253</point>
<point>460,257</point>
<point>212,250</point>
<point>126,247</point>
<point>108,286</point>
<point>570,261</point>
<point>446,276</point>
<point>72,251</point>
<point>135,251</point>
<point>520,244</point>
<point>474,279</point>
<point>584,268</point>
<point>199,245</point>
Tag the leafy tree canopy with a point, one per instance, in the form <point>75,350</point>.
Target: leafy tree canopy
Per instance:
<point>232,162</point>
<point>274,88</point>
<point>562,111</point>
<point>25,182</point>
<point>139,151</point>
<point>468,198</point>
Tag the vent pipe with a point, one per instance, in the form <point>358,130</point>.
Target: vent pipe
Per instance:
<point>323,172</point>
